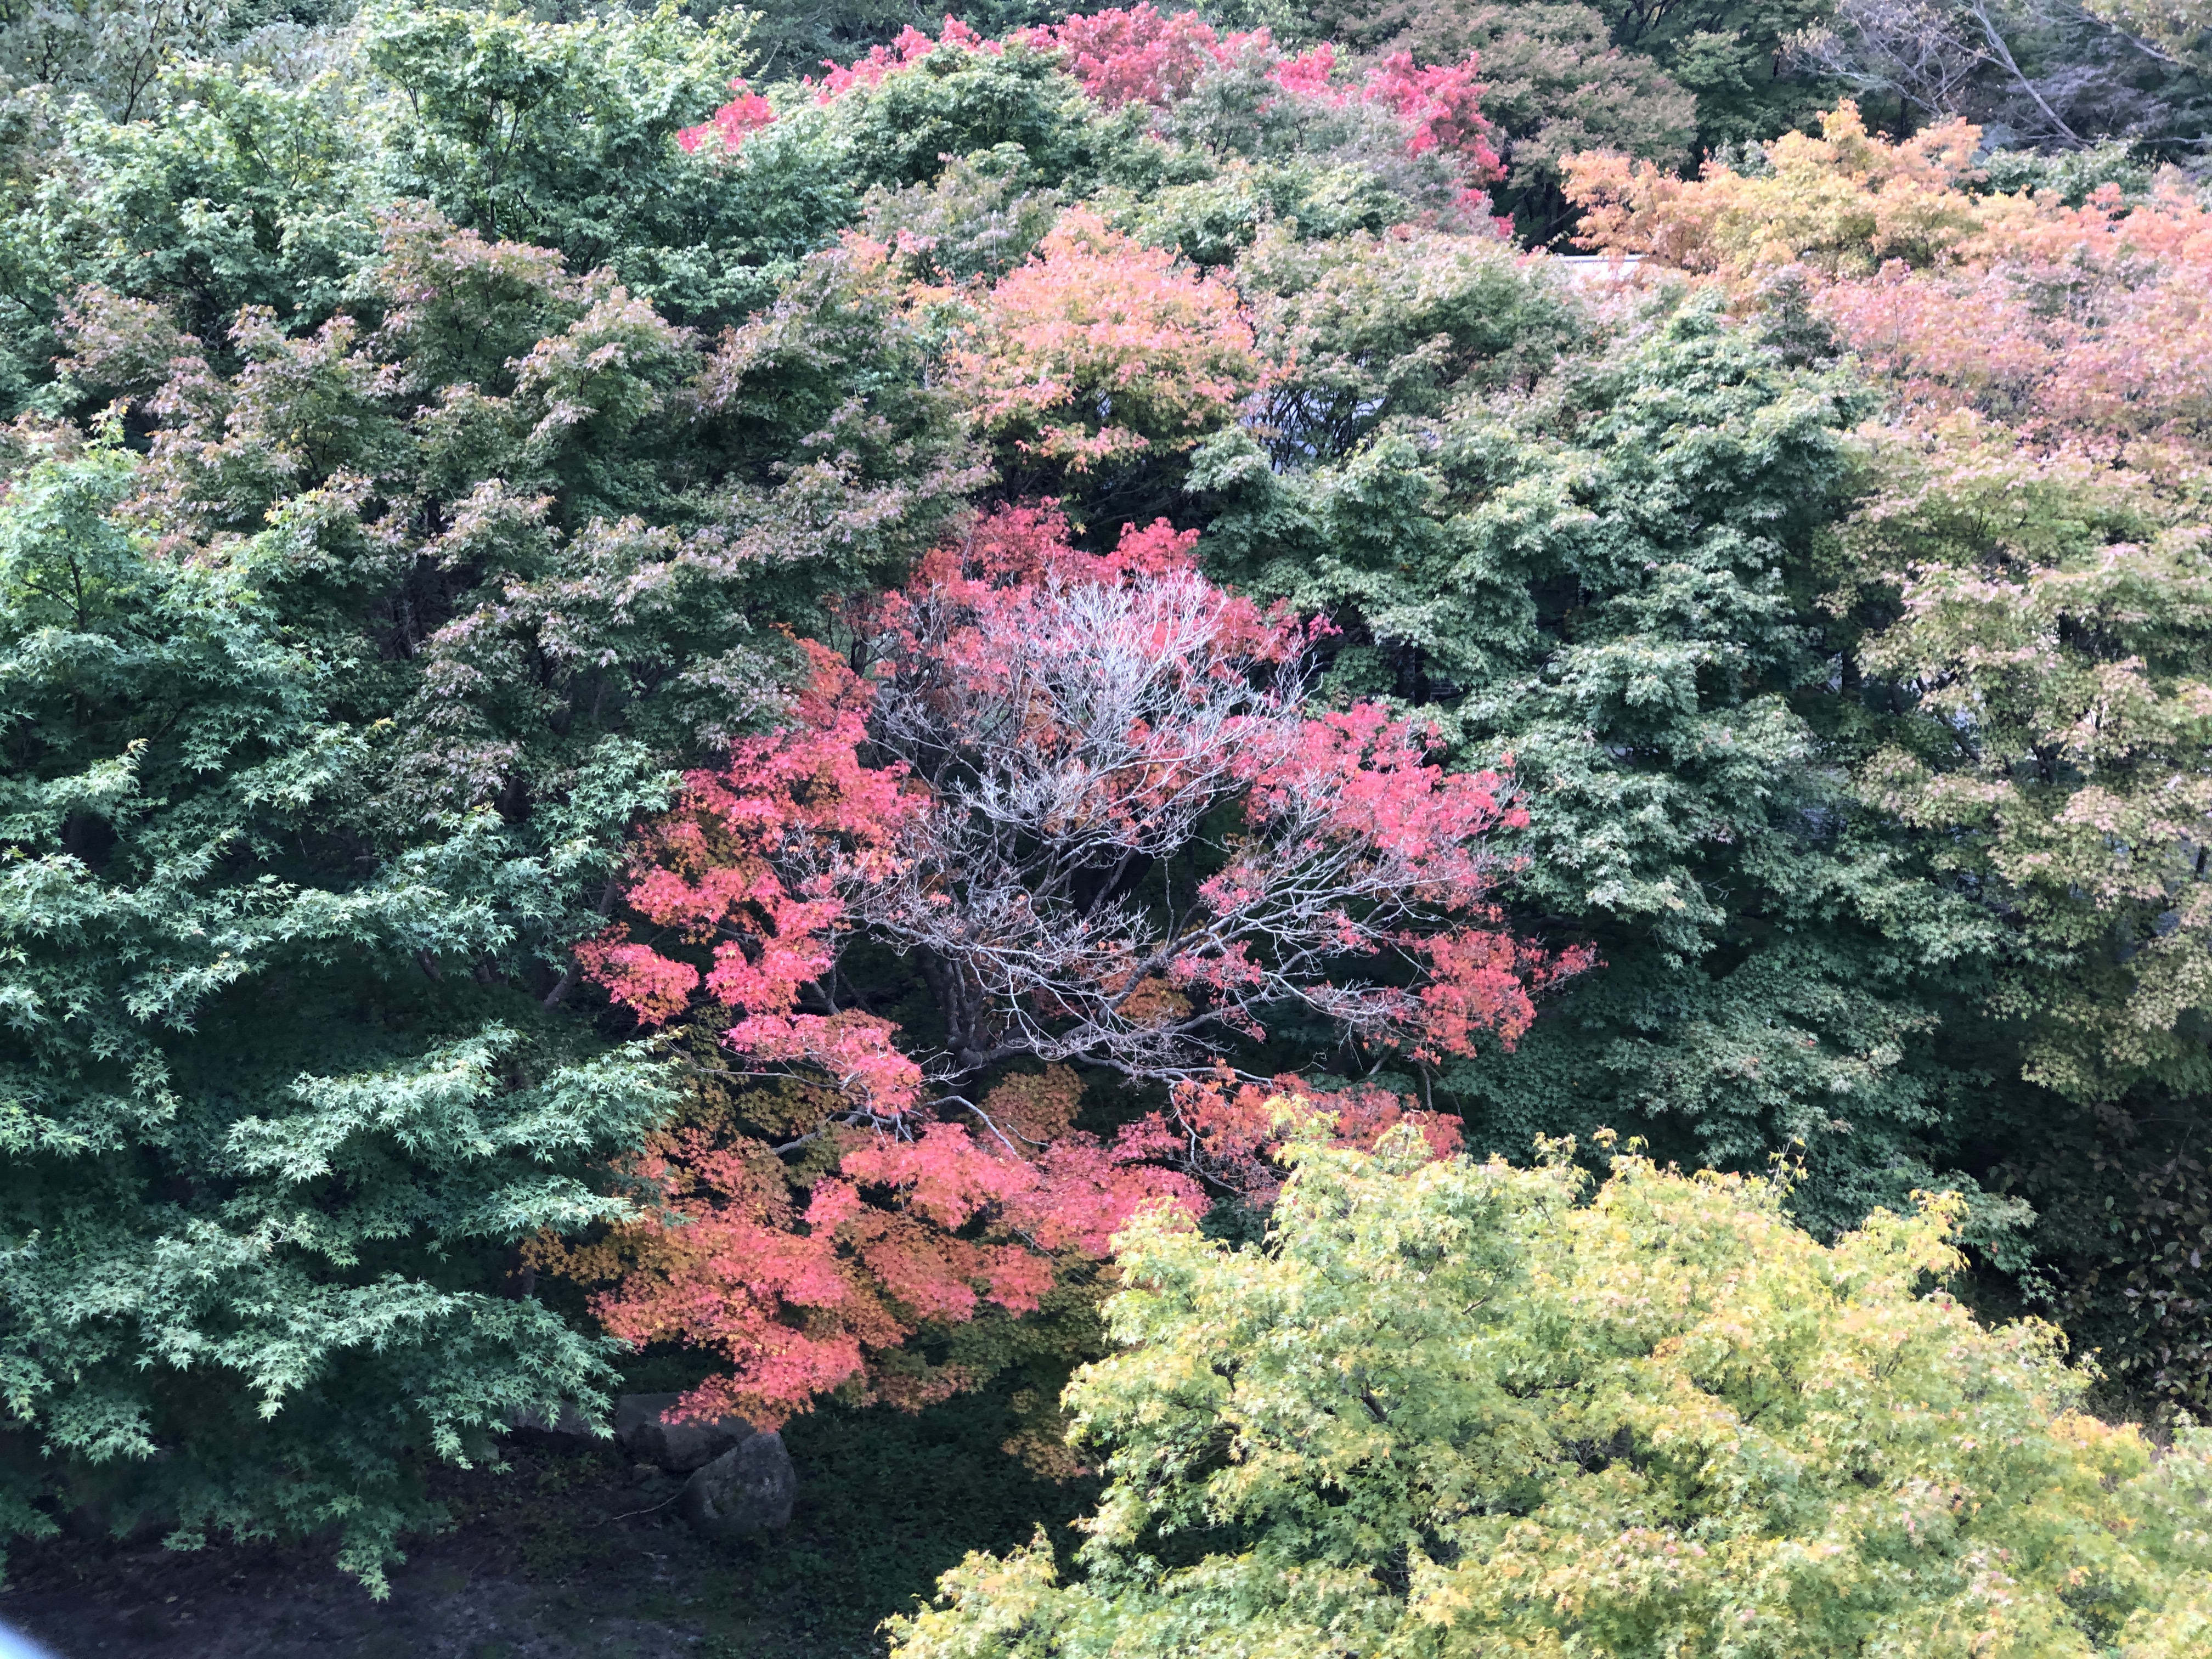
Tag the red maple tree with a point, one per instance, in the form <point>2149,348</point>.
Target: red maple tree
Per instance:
<point>729,126</point>
<point>1085,794</point>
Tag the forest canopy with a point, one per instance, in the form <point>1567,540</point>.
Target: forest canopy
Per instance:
<point>677,681</point>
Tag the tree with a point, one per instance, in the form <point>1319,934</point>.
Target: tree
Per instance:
<point>1612,577</point>
<point>2047,660</point>
<point>1094,367</point>
<point>417,565</point>
<point>1928,57</point>
<point>1447,1409</point>
<point>2019,594</point>
<point>413,572</point>
<point>565,134</point>
<point>1362,332</point>
<point>249,1144</point>
<point>1848,200</point>
<point>113,50</point>
<point>1143,56</point>
<point>1218,101</point>
<point>1728,55</point>
<point>325,719</point>
<point>1082,794</point>
<point>1554,83</point>
<point>2032,76</point>
<point>251,191</point>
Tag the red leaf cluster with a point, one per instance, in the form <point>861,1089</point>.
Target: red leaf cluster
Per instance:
<point>925,1227</point>
<point>746,113</point>
<point>1442,104</point>
<point>908,48</point>
<point>1139,55</point>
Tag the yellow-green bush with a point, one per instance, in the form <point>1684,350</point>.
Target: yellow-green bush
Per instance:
<point>1450,1408</point>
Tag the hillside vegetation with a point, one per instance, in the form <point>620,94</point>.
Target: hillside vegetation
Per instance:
<point>1078,693</point>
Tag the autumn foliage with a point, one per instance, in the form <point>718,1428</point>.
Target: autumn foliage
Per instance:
<point>1026,786</point>
<point>1140,55</point>
<point>810,701</point>
<point>2029,564</point>
<point>2072,325</point>
<point>1098,350</point>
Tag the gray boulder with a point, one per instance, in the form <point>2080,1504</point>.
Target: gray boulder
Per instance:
<point>749,1488</point>
<point>678,1448</point>
<point>569,1424</point>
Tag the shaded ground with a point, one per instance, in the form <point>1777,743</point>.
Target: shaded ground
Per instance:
<point>552,1560</point>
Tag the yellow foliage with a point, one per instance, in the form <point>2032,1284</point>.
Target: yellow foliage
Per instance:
<point>1846,201</point>
<point>1454,1408</point>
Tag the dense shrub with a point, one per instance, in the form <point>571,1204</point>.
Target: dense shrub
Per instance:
<point>1449,1407</point>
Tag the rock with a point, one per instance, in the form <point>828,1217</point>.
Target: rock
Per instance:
<point>749,1488</point>
<point>570,1424</point>
<point>679,1447</point>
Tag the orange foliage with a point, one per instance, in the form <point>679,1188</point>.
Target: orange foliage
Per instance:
<point>1099,348</point>
<point>1845,201</point>
<point>2078,326</point>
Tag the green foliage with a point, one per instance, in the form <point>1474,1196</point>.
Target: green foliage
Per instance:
<point>262,182</point>
<point>2053,636</point>
<point>113,51</point>
<point>325,720</point>
<point>1447,1409</point>
<point>2019,660</point>
<point>2041,677</point>
<point>957,102</point>
<point>252,190</point>
<point>1374,330</point>
<point>791,40</point>
<point>1212,218</point>
<point>564,134</point>
<point>2072,176</point>
<point>1727,54</point>
<point>244,1161</point>
<point>2062,82</point>
<point>1612,581</point>
<point>981,216</point>
<point>1558,84</point>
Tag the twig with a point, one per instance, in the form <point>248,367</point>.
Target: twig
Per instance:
<point>662,1504</point>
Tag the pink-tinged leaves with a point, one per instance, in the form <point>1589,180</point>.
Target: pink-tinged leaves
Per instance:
<point>909,48</point>
<point>1442,103</point>
<point>853,1051</point>
<point>639,977</point>
<point>1140,55</point>
<point>729,127</point>
<point>1137,55</point>
<point>1099,348</point>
